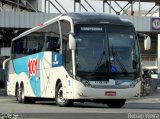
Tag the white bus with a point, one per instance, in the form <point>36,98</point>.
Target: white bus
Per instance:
<point>76,57</point>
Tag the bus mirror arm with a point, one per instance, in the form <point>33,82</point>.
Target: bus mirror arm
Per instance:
<point>5,62</point>
<point>72,42</point>
<point>147,40</point>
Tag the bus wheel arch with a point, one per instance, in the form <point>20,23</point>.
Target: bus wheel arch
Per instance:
<point>56,84</point>
<point>58,81</point>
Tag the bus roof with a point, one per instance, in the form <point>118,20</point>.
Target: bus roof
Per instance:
<point>38,27</point>
<point>102,18</point>
<point>82,18</point>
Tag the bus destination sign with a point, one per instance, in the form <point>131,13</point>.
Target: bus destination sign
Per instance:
<point>90,28</point>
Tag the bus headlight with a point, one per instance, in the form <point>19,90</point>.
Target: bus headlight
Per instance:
<point>84,81</point>
<point>133,83</point>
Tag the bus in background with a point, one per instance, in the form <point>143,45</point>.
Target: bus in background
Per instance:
<point>77,57</point>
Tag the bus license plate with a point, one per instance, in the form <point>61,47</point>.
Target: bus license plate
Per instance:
<point>110,93</point>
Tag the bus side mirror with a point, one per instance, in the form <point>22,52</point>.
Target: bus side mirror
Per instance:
<point>72,42</point>
<point>147,40</point>
<point>147,43</point>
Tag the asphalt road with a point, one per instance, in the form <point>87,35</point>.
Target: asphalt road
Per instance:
<point>149,105</point>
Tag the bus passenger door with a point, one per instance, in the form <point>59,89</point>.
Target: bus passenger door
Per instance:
<point>67,58</point>
<point>66,52</point>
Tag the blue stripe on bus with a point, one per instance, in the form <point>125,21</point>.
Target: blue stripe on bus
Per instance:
<point>25,64</point>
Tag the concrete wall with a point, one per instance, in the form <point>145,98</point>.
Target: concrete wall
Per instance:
<point>33,4</point>
<point>141,23</point>
<point>23,19</point>
<point>31,19</point>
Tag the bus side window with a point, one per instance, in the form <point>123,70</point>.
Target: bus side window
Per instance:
<point>18,48</point>
<point>52,44</point>
<point>51,36</point>
<point>34,44</point>
<point>55,45</point>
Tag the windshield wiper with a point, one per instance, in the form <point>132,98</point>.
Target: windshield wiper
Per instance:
<point>115,56</point>
<point>99,63</point>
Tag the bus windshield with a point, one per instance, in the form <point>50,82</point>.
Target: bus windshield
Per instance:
<point>89,50</point>
<point>107,53</point>
<point>123,53</point>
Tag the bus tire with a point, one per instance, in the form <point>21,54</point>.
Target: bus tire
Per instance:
<point>17,92</point>
<point>21,96</point>
<point>23,99</point>
<point>116,103</point>
<point>60,101</point>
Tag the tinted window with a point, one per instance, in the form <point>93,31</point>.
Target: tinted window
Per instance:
<point>52,39</point>
<point>18,48</point>
<point>27,45</point>
<point>45,39</point>
<point>34,44</point>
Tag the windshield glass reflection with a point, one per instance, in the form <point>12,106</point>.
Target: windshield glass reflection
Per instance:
<point>89,49</point>
<point>123,53</point>
<point>101,53</point>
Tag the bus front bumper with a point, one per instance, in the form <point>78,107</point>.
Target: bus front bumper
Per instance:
<point>82,92</point>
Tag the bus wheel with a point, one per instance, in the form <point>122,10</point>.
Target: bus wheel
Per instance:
<point>116,103</point>
<point>17,92</point>
<point>60,101</point>
<point>21,97</point>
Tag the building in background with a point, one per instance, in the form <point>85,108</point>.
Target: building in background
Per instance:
<point>7,32</point>
<point>21,5</point>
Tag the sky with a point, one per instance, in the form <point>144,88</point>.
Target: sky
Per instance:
<point>98,5</point>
